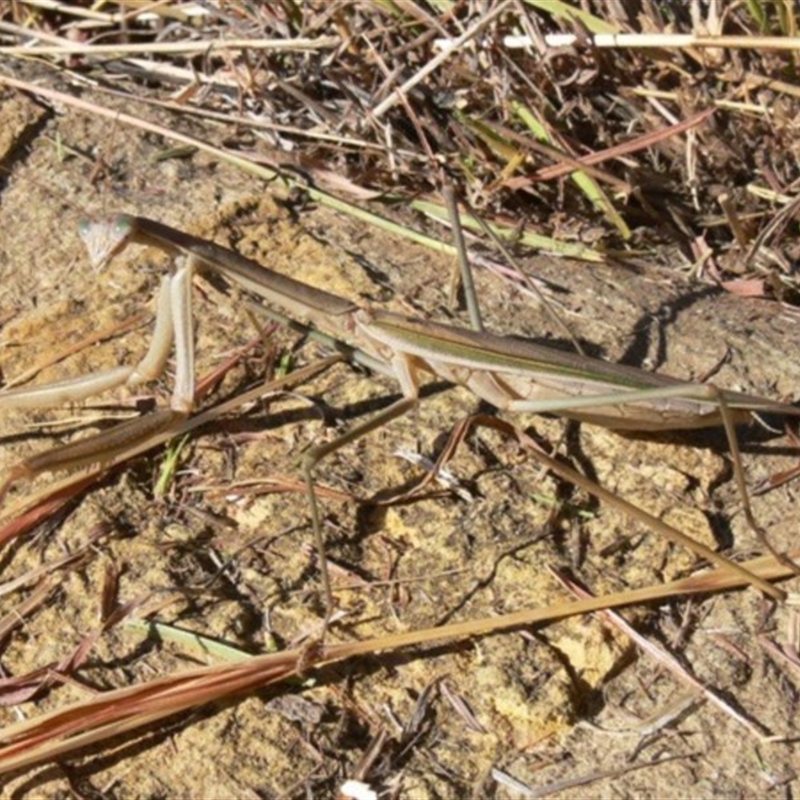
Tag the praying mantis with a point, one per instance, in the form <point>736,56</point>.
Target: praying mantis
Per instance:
<point>512,375</point>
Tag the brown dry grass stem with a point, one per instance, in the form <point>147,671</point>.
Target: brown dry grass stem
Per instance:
<point>57,734</point>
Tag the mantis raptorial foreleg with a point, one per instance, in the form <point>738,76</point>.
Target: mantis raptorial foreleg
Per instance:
<point>173,310</point>
<point>514,376</point>
<point>173,324</point>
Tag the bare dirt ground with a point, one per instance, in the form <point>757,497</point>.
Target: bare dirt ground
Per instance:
<point>551,704</point>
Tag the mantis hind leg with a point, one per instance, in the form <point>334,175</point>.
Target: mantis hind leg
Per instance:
<point>741,483</point>
<point>640,515</point>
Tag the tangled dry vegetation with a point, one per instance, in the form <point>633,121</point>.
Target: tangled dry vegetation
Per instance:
<point>623,172</point>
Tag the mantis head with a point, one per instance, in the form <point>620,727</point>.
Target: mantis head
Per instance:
<point>104,238</point>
